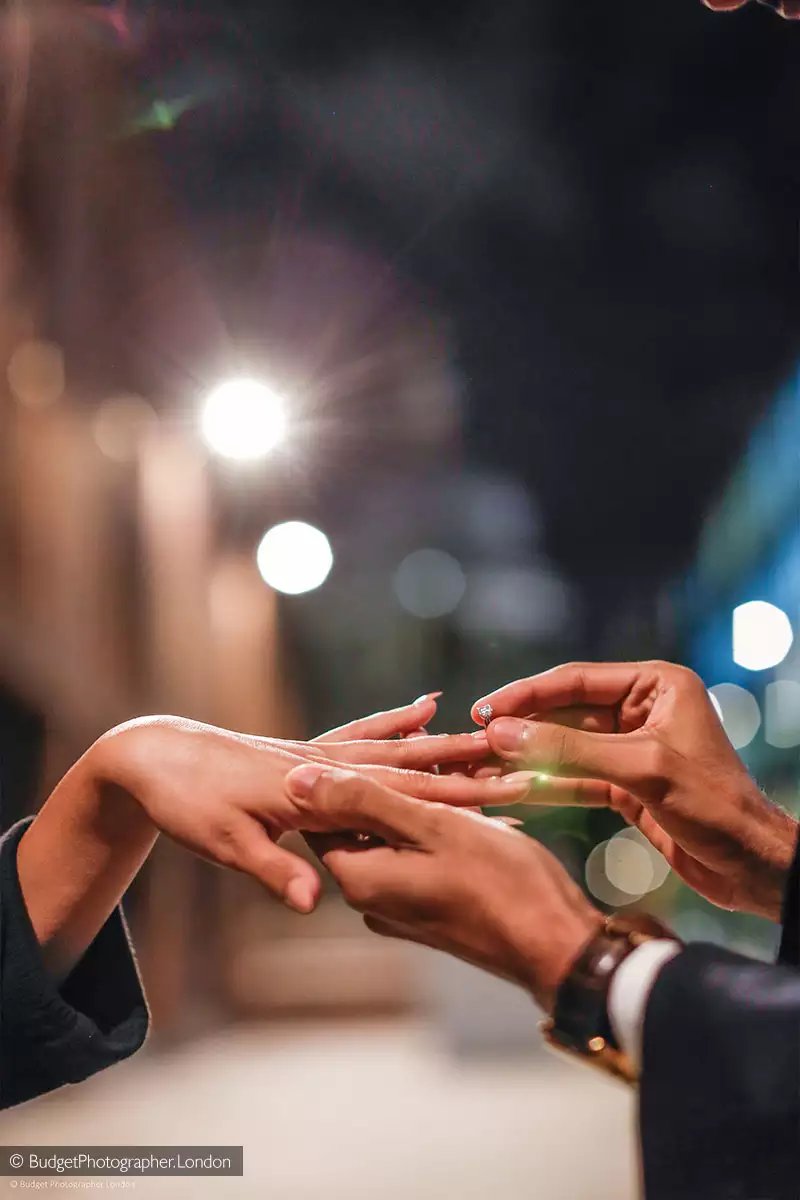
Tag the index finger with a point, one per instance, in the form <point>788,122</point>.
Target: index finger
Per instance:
<point>571,686</point>
<point>418,753</point>
<point>393,722</point>
<point>456,791</point>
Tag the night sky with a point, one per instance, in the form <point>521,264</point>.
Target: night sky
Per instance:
<point>602,197</point>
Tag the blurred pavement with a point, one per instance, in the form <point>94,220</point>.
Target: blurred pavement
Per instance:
<point>357,1112</point>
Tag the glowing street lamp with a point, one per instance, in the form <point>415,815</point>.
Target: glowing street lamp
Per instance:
<point>294,558</point>
<point>243,420</point>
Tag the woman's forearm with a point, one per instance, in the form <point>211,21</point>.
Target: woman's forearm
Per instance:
<point>78,857</point>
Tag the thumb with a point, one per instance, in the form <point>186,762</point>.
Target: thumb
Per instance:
<point>330,799</point>
<point>628,760</point>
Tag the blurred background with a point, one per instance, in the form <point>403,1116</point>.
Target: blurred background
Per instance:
<point>352,352</point>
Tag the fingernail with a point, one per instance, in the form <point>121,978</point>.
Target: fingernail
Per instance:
<point>300,894</point>
<point>426,698</point>
<point>417,733</point>
<point>517,778</point>
<point>301,780</point>
<point>509,733</point>
<point>480,736</point>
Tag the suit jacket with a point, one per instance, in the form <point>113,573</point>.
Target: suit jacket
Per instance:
<point>720,1092</point>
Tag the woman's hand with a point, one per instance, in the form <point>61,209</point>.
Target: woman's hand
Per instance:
<point>218,793</point>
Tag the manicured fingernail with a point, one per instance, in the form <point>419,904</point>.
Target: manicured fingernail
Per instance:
<point>301,780</point>
<point>300,894</point>
<point>480,735</point>
<point>509,734</point>
<point>518,778</point>
<point>426,698</point>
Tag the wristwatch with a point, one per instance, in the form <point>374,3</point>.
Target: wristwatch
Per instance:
<point>580,1024</point>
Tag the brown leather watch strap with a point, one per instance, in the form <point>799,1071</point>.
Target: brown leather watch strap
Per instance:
<point>580,1023</point>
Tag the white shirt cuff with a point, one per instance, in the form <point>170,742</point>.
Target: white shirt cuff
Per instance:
<point>630,990</point>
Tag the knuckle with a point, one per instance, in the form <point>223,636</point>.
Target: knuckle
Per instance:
<point>681,674</point>
<point>658,766</point>
<point>360,891</point>
<point>433,821</point>
<point>691,681</point>
<point>346,785</point>
<point>578,687</point>
<point>574,679</point>
<point>560,745</point>
<point>404,751</point>
<point>420,783</point>
<point>226,845</point>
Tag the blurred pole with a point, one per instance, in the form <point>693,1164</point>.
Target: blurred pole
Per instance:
<point>174,525</point>
<point>59,636</point>
<point>251,693</point>
<point>174,530</point>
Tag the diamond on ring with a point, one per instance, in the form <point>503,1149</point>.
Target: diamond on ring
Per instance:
<point>486,712</point>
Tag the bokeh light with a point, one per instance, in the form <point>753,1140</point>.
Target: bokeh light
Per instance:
<point>429,583</point>
<point>119,426</point>
<point>499,516</point>
<point>294,558</point>
<point>530,601</point>
<point>597,880</point>
<point>626,855</point>
<point>36,374</point>
<point>623,869</point>
<point>628,867</point>
<point>782,714</point>
<point>738,708</point>
<point>243,419</point>
<point>762,635</point>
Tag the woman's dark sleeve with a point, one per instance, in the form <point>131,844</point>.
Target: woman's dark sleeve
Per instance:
<point>51,1035</point>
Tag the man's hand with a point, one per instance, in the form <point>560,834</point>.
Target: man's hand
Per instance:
<point>644,738</point>
<point>449,879</point>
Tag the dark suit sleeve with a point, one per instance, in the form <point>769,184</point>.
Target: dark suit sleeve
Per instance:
<point>51,1035</point>
<point>720,1091</point>
<point>789,952</point>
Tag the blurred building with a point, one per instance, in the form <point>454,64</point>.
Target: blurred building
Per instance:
<point>740,606</point>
